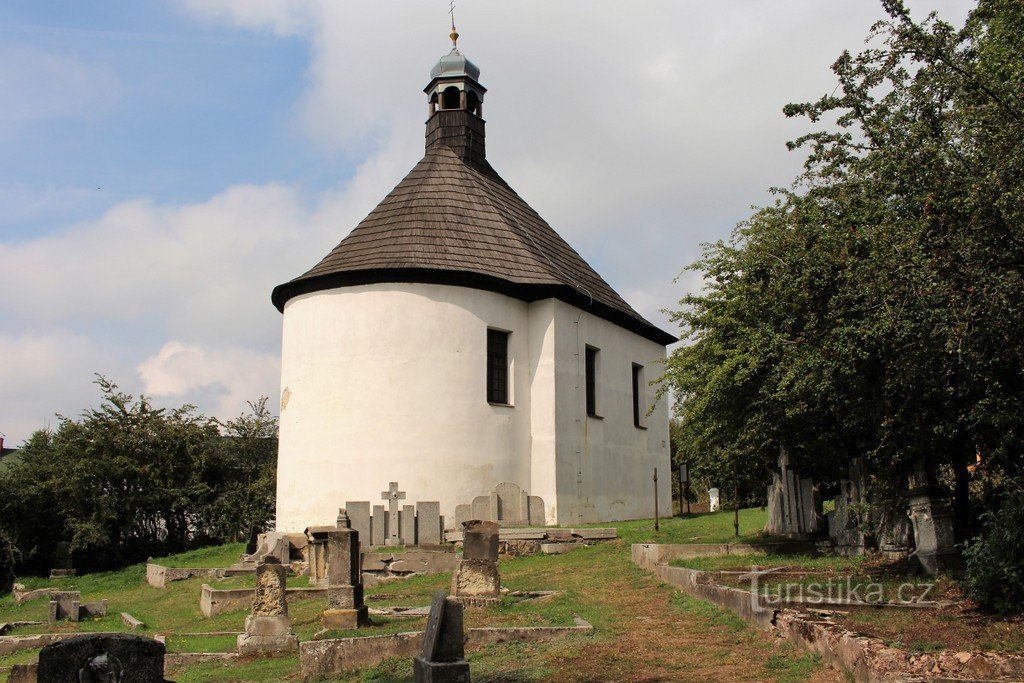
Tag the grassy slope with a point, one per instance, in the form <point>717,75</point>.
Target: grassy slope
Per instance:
<point>643,629</point>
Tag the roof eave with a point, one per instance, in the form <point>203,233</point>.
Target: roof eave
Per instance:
<point>518,290</point>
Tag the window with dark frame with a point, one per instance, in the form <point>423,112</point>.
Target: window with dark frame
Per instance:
<point>497,367</point>
<point>637,403</point>
<point>591,381</point>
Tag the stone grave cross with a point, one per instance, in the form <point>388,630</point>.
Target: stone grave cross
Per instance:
<point>393,495</point>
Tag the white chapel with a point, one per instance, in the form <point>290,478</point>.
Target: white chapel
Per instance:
<point>453,341</point>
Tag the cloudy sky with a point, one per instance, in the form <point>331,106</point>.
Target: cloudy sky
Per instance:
<point>164,164</point>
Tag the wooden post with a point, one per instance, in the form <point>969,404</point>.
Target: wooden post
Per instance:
<point>656,522</point>
<point>736,507</point>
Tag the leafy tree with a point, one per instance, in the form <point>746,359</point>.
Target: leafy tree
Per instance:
<point>128,480</point>
<point>874,309</point>
<point>245,468</point>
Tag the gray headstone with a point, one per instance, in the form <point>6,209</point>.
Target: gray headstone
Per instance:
<point>713,502</point>
<point>359,518</point>
<point>98,658</point>
<point>493,507</point>
<point>463,513</point>
<point>408,517</point>
<point>510,502</point>
<point>442,657</point>
<point>343,557</point>
<point>428,522</point>
<point>481,508</point>
<point>62,555</point>
<point>535,505</point>
<point>480,540</point>
<point>378,527</point>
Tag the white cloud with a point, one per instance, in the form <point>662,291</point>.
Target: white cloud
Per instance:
<point>42,374</point>
<point>638,130</point>
<point>169,300</point>
<point>231,375</point>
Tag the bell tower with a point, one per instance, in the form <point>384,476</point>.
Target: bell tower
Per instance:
<point>456,101</point>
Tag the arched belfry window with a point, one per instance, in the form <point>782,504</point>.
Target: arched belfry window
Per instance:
<point>450,98</point>
<point>472,103</point>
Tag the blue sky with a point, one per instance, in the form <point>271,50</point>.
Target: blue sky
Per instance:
<point>166,163</point>
<point>181,108</point>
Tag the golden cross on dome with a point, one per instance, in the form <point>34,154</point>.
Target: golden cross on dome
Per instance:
<point>454,34</point>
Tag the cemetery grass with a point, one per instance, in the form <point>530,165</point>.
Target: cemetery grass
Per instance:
<point>643,629</point>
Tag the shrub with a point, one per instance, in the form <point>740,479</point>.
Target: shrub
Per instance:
<point>995,560</point>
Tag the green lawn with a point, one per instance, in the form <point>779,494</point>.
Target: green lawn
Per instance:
<point>643,628</point>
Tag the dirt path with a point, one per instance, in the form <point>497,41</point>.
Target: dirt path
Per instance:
<point>654,633</point>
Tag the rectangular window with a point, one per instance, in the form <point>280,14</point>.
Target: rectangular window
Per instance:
<point>638,402</point>
<point>592,381</point>
<point>497,367</point>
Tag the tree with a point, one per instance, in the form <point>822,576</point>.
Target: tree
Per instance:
<point>246,470</point>
<point>874,309</point>
<point>128,480</point>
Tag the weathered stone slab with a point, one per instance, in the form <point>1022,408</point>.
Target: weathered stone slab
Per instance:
<point>122,657</point>
<point>131,622</point>
<point>535,508</point>
<point>378,527</point>
<point>463,513</point>
<point>268,628</point>
<point>558,548</point>
<point>510,503</point>
<point>480,540</point>
<point>359,519</point>
<point>428,522</point>
<point>408,522</point>
<point>442,657</point>
<point>481,508</point>
<point>596,534</point>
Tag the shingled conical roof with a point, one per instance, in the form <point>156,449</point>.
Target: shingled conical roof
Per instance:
<point>453,220</point>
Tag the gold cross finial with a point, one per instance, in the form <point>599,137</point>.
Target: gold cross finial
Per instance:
<point>454,34</point>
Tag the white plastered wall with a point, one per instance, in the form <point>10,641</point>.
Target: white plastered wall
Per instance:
<point>386,382</point>
<point>605,465</point>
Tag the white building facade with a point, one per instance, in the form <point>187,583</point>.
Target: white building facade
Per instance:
<point>452,341</point>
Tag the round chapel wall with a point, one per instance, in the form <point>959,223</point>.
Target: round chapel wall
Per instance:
<point>387,382</point>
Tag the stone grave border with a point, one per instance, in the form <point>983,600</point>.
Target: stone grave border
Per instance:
<point>213,601</point>
<point>860,657</point>
<point>334,657</point>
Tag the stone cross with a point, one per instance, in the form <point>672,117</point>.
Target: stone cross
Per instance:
<point>393,495</point>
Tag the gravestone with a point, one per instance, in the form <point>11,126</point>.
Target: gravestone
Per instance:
<point>931,515</point>
<point>463,513</point>
<point>481,508</point>
<point>62,566</point>
<point>119,658</point>
<point>271,544</point>
<point>345,608</point>
<point>713,500</point>
<point>378,526</point>
<point>535,507</point>
<point>476,580</point>
<point>393,495</point>
<point>428,522</point>
<point>316,554</point>
<point>64,605</point>
<point>844,528</point>
<point>408,521</point>
<point>359,518</point>
<point>269,628</point>
<point>512,506</point>
<point>442,658</point>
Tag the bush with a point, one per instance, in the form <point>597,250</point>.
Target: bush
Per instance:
<point>995,561</point>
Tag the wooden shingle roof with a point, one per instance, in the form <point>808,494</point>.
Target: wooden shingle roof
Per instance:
<point>454,221</point>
